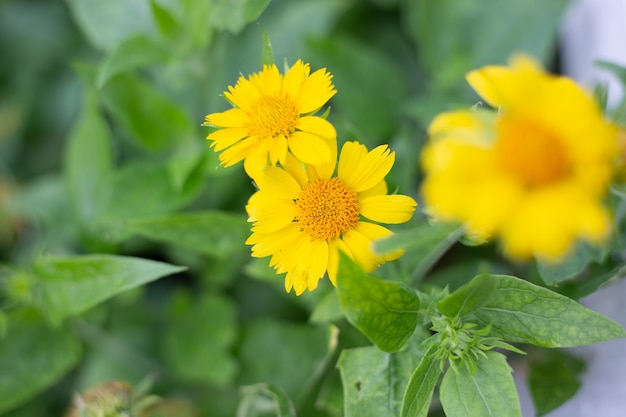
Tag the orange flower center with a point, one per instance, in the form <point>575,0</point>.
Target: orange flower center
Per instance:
<point>530,152</point>
<point>273,116</point>
<point>327,208</point>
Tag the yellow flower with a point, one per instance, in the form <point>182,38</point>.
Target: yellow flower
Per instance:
<point>303,215</point>
<point>533,173</point>
<point>272,114</point>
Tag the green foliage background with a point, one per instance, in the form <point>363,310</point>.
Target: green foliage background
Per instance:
<point>121,240</point>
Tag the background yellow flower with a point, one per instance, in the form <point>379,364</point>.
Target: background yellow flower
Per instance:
<point>534,172</point>
<point>273,114</point>
<point>302,216</point>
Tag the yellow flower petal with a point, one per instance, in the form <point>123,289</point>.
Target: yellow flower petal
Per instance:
<point>279,182</point>
<point>225,138</point>
<point>309,148</point>
<point>315,91</point>
<point>317,126</point>
<point>230,118</point>
<point>391,209</point>
<point>362,170</point>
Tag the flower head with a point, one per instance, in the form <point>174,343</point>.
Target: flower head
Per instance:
<point>273,114</point>
<point>303,215</point>
<point>533,173</point>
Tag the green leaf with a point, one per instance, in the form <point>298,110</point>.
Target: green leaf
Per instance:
<point>130,54</point>
<point>227,16</point>
<point>108,23</point>
<point>519,311</point>
<point>214,233</point>
<point>260,398</point>
<point>327,309</point>
<point>553,378</point>
<point>89,164</point>
<point>198,339</point>
<point>267,53</point>
<point>575,263</point>
<point>419,392</point>
<point>386,312</point>
<point>33,356</point>
<point>68,286</point>
<point>467,298</point>
<point>374,382</point>
<point>488,392</point>
<point>155,121</point>
<point>271,351</point>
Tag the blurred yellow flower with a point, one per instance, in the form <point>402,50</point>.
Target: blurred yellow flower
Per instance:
<point>534,172</point>
<point>303,215</point>
<point>273,114</point>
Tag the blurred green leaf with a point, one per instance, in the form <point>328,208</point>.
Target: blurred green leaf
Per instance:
<point>419,392</point>
<point>488,392</point>
<point>198,339</point>
<point>374,381</point>
<point>89,164</point>
<point>386,312</point>
<point>468,298</point>
<point>70,285</point>
<point>153,119</point>
<point>270,352</point>
<point>327,309</point>
<point>258,399</point>
<point>215,233</point>
<point>132,53</point>
<point>267,53</point>
<point>108,23</point>
<point>519,311</point>
<point>554,273</point>
<point>33,356</point>
<point>234,17</point>
<point>553,378</point>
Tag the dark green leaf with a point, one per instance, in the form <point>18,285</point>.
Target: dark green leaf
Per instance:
<point>255,400</point>
<point>575,263</point>
<point>215,233</point>
<point>467,298</point>
<point>553,378</point>
<point>89,165</point>
<point>198,340</point>
<point>488,392</point>
<point>70,285</point>
<point>386,312</point>
<point>419,392</point>
<point>33,356</point>
<point>519,311</point>
<point>374,382</point>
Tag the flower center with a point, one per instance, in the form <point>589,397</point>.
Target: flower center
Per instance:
<point>272,117</point>
<point>530,152</point>
<point>327,208</point>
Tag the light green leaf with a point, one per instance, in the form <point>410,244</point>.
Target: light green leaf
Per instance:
<point>130,54</point>
<point>155,121</point>
<point>215,233</point>
<point>374,381</point>
<point>33,356</point>
<point>386,312</point>
<point>267,53</point>
<point>553,378</point>
<point>198,339</point>
<point>327,309</point>
<point>260,398</point>
<point>68,286</point>
<point>553,273</point>
<point>89,164</point>
<point>419,392</point>
<point>234,17</point>
<point>467,298</point>
<point>489,392</point>
<point>519,311</point>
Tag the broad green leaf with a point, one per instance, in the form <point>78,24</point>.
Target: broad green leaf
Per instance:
<point>108,23</point>
<point>198,338</point>
<point>467,298</point>
<point>260,398</point>
<point>488,392</point>
<point>327,309</point>
<point>374,382</point>
<point>215,233</point>
<point>386,312</point>
<point>89,164</point>
<point>33,356</point>
<point>553,378</point>
<point>68,286</point>
<point>575,263</point>
<point>130,54</point>
<point>519,311</point>
<point>291,356</point>
<point>419,392</point>
<point>226,16</point>
<point>155,121</point>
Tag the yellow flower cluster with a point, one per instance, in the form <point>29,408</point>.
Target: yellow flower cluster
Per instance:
<point>533,172</point>
<point>308,206</point>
